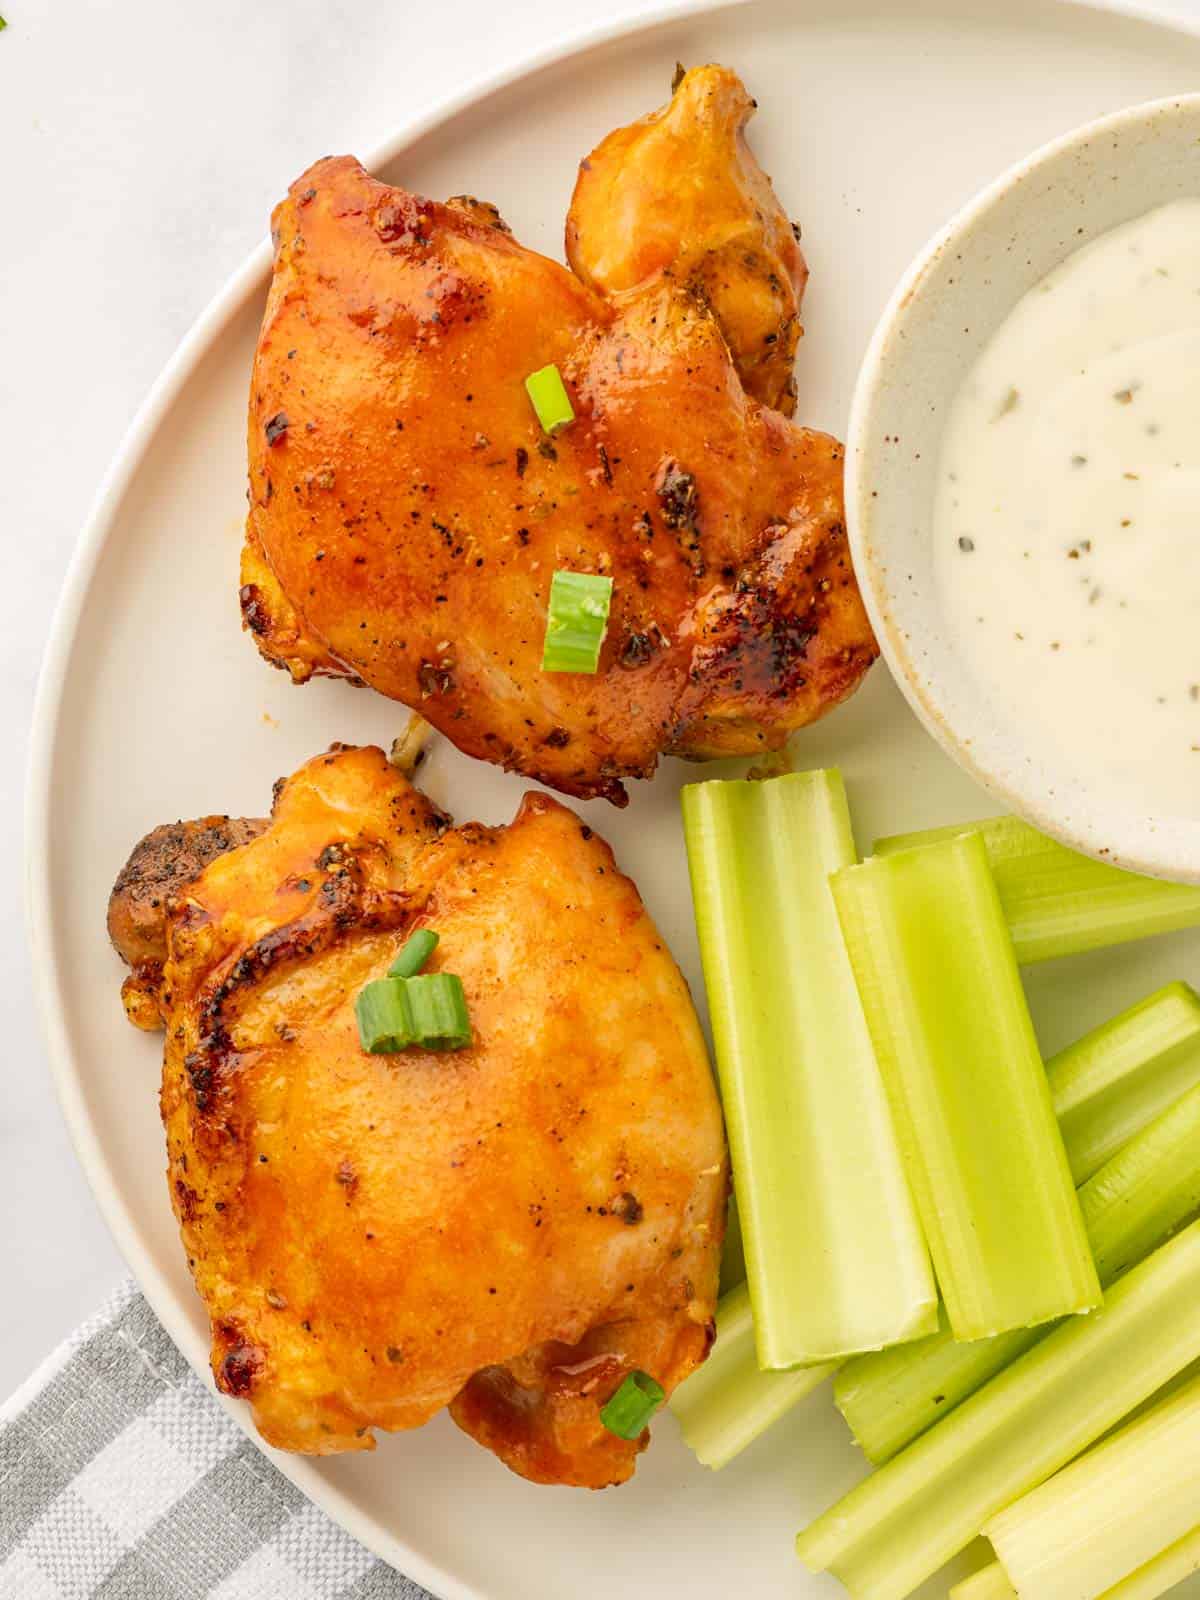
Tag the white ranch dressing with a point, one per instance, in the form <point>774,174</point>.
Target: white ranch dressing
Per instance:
<point>1067,512</point>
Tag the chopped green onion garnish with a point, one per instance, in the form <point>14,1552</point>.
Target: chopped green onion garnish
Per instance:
<point>415,952</point>
<point>398,1011</point>
<point>385,1021</point>
<point>635,1402</point>
<point>439,1011</point>
<point>576,622</point>
<point>550,398</point>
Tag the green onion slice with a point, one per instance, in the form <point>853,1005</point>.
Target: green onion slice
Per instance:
<point>632,1406</point>
<point>414,953</point>
<point>385,1019</point>
<point>439,1011</point>
<point>576,622</point>
<point>429,1011</point>
<point>551,401</point>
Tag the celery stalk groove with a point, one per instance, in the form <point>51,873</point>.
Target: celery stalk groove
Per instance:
<point>1109,1513</point>
<point>729,1401</point>
<point>1181,1560</point>
<point>1059,902</point>
<point>835,1258</point>
<point>1149,1189</point>
<point>1144,1194</point>
<point>1108,1085</point>
<point>956,1047</point>
<point>1175,1564</point>
<point>989,1583</point>
<point>908,1518</point>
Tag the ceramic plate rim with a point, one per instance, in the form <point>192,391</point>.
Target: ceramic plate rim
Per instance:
<point>51,994</point>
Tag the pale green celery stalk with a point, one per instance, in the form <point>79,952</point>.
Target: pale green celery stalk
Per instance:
<point>1146,1192</point>
<point>1116,1079</point>
<point>910,1517</point>
<point>956,1047</point>
<point>1059,902</point>
<point>989,1583</point>
<point>835,1258</point>
<point>729,1401</point>
<point>1107,1514</point>
<point>1139,1198</point>
<point>1178,1382</point>
<point>1175,1564</point>
<point>1181,1560</point>
<point>1150,1189</point>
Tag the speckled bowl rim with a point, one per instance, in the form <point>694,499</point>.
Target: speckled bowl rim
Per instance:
<point>1092,828</point>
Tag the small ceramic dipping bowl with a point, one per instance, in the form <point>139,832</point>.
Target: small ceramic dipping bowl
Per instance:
<point>947,306</point>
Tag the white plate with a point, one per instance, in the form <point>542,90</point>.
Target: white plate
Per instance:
<point>878,119</point>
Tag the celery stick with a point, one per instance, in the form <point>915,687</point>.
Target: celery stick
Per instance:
<point>1059,902</point>
<point>1107,1514</point>
<point>957,1051</point>
<point>1175,1564</point>
<point>989,1583</point>
<point>907,1519</point>
<point>1181,1380</point>
<point>1117,1078</point>
<point>1139,1198</point>
<point>1172,1566</point>
<point>1125,1070</point>
<point>834,1254</point>
<point>888,1401</point>
<point>728,1402</point>
<point>1132,1205</point>
<point>1147,1191</point>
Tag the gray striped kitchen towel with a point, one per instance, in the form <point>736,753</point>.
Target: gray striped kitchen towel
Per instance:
<point>122,1479</point>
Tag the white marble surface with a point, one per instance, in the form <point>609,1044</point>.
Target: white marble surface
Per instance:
<point>142,143</point>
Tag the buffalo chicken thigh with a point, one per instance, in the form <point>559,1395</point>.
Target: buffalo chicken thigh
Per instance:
<point>509,1229</point>
<point>407,511</point>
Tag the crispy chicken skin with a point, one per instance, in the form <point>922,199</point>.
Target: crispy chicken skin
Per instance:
<point>680,192</point>
<point>167,857</point>
<point>507,1229</point>
<point>407,512</point>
